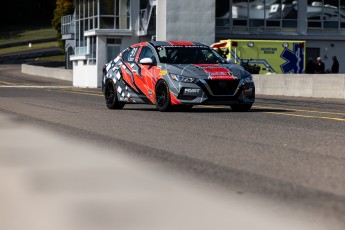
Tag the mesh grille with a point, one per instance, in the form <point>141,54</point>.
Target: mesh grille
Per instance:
<point>223,87</point>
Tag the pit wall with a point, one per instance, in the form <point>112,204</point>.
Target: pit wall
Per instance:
<point>57,73</point>
<point>296,85</point>
<point>301,85</point>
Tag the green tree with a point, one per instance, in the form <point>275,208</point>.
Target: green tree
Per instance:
<point>63,7</point>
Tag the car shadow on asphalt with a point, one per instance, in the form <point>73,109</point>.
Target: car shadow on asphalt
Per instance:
<point>227,110</point>
<point>214,110</point>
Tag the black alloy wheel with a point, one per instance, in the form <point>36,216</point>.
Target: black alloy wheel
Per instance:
<point>163,102</point>
<point>111,97</point>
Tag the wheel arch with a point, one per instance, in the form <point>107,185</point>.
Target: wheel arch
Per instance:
<point>106,81</point>
<point>111,76</point>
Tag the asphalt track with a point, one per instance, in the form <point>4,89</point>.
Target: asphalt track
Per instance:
<point>287,154</point>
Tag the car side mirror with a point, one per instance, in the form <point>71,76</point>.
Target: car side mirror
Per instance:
<point>146,61</point>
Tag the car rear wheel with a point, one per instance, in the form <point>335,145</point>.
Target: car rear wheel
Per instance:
<point>110,96</point>
<point>241,107</point>
<point>163,102</point>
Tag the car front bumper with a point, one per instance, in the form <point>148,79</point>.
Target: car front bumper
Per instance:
<point>214,92</point>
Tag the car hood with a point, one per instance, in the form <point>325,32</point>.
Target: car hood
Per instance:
<point>208,71</point>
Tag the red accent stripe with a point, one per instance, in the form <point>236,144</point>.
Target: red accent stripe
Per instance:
<point>174,100</point>
<point>127,78</point>
<point>137,54</point>
<point>181,43</point>
<point>135,45</point>
<point>143,43</point>
<point>217,45</point>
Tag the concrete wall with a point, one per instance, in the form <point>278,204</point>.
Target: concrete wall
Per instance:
<point>86,76</point>
<point>301,85</point>
<point>58,73</point>
<point>192,20</point>
<point>296,85</point>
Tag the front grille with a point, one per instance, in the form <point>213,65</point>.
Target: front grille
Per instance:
<point>219,87</point>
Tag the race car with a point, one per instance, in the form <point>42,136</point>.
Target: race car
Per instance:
<point>174,75</point>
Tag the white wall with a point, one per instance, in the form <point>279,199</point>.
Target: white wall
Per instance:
<point>192,20</point>
<point>85,76</point>
<point>301,85</point>
<point>57,73</point>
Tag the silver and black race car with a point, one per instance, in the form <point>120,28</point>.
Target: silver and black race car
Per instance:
<point>176,74</point>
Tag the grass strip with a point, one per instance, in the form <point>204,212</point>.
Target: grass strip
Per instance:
<point>26,48</point>
<point>26,35</point>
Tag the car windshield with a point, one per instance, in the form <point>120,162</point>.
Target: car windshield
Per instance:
<point>188,55</point>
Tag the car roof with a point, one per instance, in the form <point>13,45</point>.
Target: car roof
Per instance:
<point>176,43</point>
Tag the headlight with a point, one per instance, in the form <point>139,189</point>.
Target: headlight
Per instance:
<point>247,79</point>
<point>182,78</point>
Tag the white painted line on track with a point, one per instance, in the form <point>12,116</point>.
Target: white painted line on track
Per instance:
<point>35,86</point>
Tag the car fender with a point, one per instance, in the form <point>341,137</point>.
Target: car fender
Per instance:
<point>173,97</point>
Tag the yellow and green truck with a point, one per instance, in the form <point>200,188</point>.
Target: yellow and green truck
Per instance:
<point>272,56</point>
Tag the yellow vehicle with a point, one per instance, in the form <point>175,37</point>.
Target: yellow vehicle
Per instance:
<point>272,56</point>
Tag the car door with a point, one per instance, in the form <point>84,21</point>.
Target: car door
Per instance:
<point>129,59</point>
<point>145,79</point>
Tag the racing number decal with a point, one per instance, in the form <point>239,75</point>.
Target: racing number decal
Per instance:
<point>131,55</point>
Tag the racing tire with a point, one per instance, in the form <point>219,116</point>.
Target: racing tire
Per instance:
<point>241,107</point>
<point>163,101</point>
<point>110,96</point>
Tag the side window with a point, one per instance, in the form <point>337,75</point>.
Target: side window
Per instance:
<point>125,54</point>
<point>146,52</point>
<point>162,54</point>
<point>132,54</point>
<point>129,54</point>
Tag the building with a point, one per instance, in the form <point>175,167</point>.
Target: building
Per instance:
<point>321,23</point>
<point>99,29</point>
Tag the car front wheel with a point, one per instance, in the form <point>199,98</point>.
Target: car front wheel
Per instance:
<point>110,96</point>
<point>163,102</point>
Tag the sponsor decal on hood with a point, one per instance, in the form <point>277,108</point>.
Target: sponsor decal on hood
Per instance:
<point>216,72</point>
